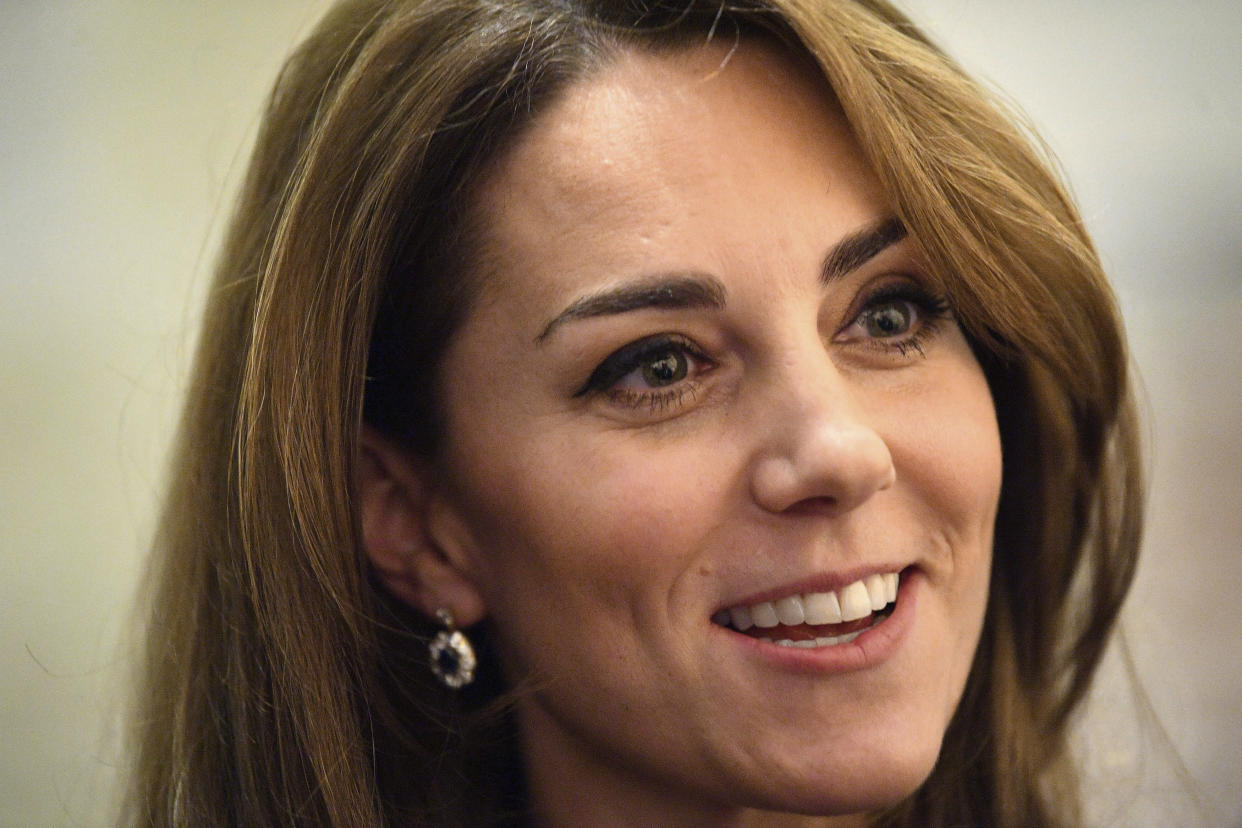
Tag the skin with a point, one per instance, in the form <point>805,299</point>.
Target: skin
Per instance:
<point>601,529</point>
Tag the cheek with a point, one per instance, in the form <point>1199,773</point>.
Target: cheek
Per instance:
<point>950,453</point>
<point>590,527</point>
<point>584,568</point>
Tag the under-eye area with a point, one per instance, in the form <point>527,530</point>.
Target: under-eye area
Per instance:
<point>817,619</point>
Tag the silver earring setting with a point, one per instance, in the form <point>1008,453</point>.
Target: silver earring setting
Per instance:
<point>452,657</point>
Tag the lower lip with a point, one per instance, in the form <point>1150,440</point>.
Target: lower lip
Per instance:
<point>873,647</point>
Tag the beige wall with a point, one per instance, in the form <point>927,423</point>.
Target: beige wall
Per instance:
<point>122,126</point>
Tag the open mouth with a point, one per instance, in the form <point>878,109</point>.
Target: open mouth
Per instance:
<point>817,619</point>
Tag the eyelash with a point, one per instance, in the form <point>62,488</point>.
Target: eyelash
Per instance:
<point>929,311</point>
<point>644,352</point>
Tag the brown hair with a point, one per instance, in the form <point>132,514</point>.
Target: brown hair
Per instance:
<point>282,686</point>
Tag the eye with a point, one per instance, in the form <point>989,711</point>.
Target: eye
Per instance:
<point>899,316</point>
<point>657,371</point>
<point>664,369</point>
<point>894,317</point>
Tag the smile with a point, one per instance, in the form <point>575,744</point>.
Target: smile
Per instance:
<point>817,619</point>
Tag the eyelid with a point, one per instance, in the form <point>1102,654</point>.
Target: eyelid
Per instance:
<point>932,305</point>
<point>931,310</point>
<point>629,357</point>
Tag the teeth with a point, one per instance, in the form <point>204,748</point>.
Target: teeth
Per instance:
<point>821,608</point>
<point>877,590</point>
<point>764,615</point>
<point>858,600</point>
<point>822,641</point>
<point>789,610</point>
<point>855,602</point>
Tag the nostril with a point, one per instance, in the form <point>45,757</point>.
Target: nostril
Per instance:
<point>811,506</point>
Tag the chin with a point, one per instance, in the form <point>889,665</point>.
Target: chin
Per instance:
<point>875,782</point>
<point>876,791</point>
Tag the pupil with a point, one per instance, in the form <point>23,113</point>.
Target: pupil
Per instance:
<point>889,320</point>
<point>666,370</point>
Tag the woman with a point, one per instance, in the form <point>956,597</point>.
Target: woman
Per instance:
<point>656,363</point>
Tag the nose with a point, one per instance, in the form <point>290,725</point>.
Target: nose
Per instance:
<point>818,450</point>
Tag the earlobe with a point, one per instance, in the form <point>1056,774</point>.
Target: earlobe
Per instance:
<point>417,563</point>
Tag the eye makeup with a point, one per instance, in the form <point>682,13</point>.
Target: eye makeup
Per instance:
<point>664,372</point>
<point>899,316</point>
<point>657,371</point>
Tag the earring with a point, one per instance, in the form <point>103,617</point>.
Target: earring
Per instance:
<point>452,657</point>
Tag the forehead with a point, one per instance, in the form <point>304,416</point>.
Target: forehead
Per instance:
<point>630,156</point>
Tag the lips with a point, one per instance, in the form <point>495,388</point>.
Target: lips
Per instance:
<point>817,619</point>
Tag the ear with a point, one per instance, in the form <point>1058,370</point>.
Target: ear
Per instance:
<point>418,559</point>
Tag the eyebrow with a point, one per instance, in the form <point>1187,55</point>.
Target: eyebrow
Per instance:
<point>858,248</point>
<point>672,290</point>
<point>702,290</point>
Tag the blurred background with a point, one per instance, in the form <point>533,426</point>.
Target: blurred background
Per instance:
<point>125,125</point>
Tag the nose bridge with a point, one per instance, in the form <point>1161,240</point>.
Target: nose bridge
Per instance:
<point>819,446</point>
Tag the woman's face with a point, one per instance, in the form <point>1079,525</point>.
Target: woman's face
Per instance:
<point>709,384</point>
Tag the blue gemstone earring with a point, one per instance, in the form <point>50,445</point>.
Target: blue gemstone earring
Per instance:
<point>452,657</point>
